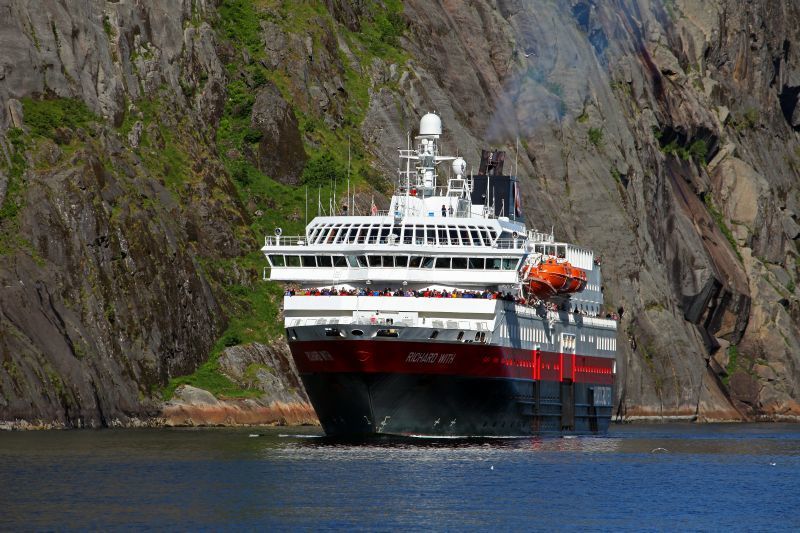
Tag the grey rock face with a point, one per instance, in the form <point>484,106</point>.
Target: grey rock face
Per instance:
<point>270,369</point>
<point>280,150</point>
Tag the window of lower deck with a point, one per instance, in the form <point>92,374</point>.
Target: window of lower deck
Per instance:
<point>494,263</point>
<point>442,262</point>
<point>308,260</point>
<point>401,261</point>
<point>292,260</point>
<point>277,260</point>
<point>476,263</point>
<point>427,262</point>
<point>510,263</point>
<point>374,260</point>
<point>415,261</point>
<point>324,261</point>
<point>339,261</point>
<point>459,263</point>
<point>388,261</point>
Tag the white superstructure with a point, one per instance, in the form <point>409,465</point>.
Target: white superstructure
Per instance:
<point>449,250</point>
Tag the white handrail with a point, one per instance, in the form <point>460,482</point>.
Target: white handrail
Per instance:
<point>302,240</point>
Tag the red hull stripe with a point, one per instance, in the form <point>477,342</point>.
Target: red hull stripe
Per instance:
<point>404,357</point>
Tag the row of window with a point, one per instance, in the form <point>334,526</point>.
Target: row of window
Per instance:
<point>411,234</point>
<point>395,261</point>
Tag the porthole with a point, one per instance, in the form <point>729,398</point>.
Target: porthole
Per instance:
<point>356,332</point>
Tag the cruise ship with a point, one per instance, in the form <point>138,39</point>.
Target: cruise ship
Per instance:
<point>446,316</point>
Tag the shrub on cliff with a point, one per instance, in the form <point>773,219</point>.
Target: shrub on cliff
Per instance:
<point>43,117</point>
<point>323,169</point>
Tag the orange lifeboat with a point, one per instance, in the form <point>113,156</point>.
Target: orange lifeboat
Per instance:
<point>556,274</point>
<point>534,284</point>
<point>540,288</point>
<point>552,277</point>
<point>577,281</point>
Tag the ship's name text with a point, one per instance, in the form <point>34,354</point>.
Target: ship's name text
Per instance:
<point>431,358</point>
<point>319,356</point>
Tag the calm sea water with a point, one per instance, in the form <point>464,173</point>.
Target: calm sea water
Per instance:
<point>649,477</point>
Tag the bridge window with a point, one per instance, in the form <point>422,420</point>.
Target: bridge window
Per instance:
<point>277,260</point>
<point>465,236</point>
<point>442,236</point>
<point>419,234</point>
<point>384,234</point>
<point>340,234</point>
<point>430,236</point>
<point>361,237</point>
<point>408,234</point>
<point>476,236</point>
<point>487,239</point>
<point>454,237</point>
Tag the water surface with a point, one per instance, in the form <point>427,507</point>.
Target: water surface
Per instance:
<point>638,477</point>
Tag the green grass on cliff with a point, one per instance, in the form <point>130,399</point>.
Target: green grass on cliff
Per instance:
<point>14,167</point>
<point>44,116</point>
<point>733,364</point>
<point>723,227</point>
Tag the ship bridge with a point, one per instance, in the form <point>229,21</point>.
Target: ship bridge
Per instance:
<point>445,251</point>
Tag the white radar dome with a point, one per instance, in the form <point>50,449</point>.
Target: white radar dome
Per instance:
<point>430,124</point>
<point>459,166</point>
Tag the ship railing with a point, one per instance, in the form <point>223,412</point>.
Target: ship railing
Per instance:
<point>391,240</point>
<point>481,326</point>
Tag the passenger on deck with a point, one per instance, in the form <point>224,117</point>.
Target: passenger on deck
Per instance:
<point>444,211</point>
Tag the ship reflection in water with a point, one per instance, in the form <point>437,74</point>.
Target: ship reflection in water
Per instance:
<point>654,477</point>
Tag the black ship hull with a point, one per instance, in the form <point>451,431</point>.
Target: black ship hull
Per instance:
<point>393,387</point>
<point>362,405</point>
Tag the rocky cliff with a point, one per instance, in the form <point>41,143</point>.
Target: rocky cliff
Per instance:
<point>146,148</point>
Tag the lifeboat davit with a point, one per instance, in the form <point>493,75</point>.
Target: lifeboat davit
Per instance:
<point>551,277</point>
